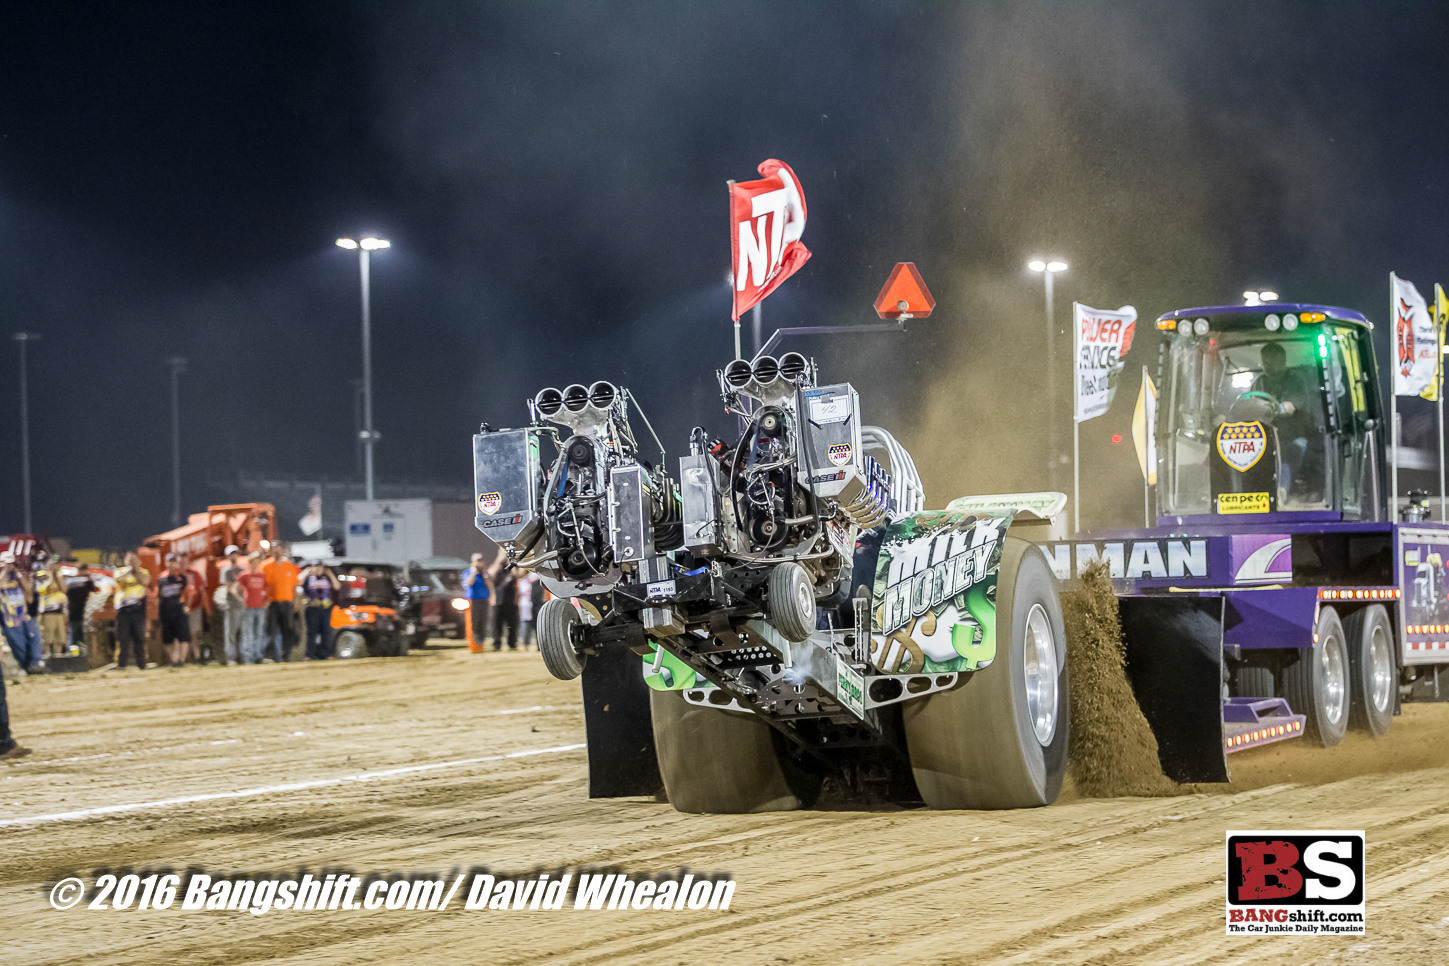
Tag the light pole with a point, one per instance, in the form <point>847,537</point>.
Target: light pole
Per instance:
<point>356,385</point>
<point>364,248</point>
<point>178,366</point>
<point>23,338</point>
<point>1049,269</point>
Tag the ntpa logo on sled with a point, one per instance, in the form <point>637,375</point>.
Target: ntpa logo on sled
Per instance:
<point>1295,882</point>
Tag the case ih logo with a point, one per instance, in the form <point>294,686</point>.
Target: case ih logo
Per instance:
<point>512,520</point>
<point>1303,883</point>
<point>1241,445</point>
<point>490,502</point>
<point>840,454</point>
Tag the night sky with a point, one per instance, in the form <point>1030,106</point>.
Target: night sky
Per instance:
<point>552,177</point>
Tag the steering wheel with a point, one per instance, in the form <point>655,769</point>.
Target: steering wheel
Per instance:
<point>1252,400</point>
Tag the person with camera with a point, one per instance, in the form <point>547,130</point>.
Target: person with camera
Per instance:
<point>319,589</point>
<point>21,633</point>
<point>132,579</point>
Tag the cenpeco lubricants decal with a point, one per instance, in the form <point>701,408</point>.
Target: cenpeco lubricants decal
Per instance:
<point>935,593</point>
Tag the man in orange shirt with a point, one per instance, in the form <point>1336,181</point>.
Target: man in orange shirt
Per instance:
<point>281,576</point>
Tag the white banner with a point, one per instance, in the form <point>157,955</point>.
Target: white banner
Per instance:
<point>312,522</point>
<point>1100,340</point>
<point>1416,344</point>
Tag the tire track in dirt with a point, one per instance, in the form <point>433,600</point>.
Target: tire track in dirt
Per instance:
<point>1062,884</point>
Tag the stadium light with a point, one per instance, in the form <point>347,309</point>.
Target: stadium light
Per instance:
<point>364,248</point>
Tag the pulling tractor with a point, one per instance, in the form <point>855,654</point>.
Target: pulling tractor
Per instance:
<point>785,612</point>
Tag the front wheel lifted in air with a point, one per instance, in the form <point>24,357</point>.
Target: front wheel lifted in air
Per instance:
<point>792,602</point>
<point>556,619</point>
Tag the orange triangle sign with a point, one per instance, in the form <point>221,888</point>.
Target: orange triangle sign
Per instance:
<point>905,295</point>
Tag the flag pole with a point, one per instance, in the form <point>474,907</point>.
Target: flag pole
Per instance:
<point>1076,471</point>
<point>1076,426</point>
<point>1146,446</point>
<point>1439,397</point>
<point>729,186</point>
<point>1394,409</point>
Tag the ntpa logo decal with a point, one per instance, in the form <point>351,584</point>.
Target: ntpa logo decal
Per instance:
<point>839,454</point>
<point>1241,445</point>
<point>1303,883</point>
<point>490,503</point>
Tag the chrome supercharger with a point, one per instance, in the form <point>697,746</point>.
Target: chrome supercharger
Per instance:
<point>589,511</point>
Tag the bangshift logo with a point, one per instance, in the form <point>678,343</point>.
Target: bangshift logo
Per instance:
<point>1295,883</point>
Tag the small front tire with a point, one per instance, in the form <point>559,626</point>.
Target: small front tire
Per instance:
<point>792,602</point>
<point>556,619</point>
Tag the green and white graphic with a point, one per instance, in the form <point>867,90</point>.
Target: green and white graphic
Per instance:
<point>665,672</point>
<point>935,592</point>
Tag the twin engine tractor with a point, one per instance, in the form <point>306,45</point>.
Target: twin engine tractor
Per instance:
<point>781,601</point>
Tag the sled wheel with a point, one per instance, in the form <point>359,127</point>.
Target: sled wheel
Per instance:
<point>1254,682</point>
<point>1371,669</point>
<point>1000,740</point>
<point>555,618</point>
<point>349,644</point>
<point>724,762</point>
<point>792,602</point>
<point>1317,685</point>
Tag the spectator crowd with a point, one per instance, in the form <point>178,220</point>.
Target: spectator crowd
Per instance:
<point>263,606</point>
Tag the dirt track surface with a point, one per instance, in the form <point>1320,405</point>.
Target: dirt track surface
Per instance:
<point>1102,881</point>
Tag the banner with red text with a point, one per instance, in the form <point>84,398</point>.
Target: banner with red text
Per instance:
<point>767,218</point>
<point>1100,339</point>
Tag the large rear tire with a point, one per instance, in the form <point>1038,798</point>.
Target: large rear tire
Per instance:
<point>555,619</point>
<point>1317,684</point>
<point>1000,740</point>
<point>724,762</point>
<point>1372,670</point>
<point>792,602</point>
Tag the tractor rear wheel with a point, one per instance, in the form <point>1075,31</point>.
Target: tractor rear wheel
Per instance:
<point>1372,669</point>
<point>1000,740</point>
<point>724,762</point>
<point>555,620</point>
<point>1317,684</point>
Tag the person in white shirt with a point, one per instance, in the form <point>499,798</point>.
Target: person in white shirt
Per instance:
<point>526,582</point>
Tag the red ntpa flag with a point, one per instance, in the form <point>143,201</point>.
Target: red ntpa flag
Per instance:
<point>767,218</point>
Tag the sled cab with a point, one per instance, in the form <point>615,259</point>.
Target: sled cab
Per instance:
<point>1269,409</point>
